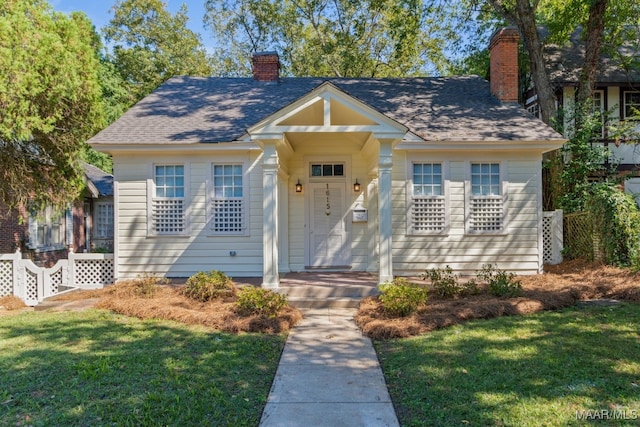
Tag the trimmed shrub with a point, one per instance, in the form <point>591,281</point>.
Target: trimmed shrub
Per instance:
<point>401,298</point>
<point>260,301</point>
<point>445,283</point>
<point>146,286</point>
<point>499,282</point>
<point>208,286</point>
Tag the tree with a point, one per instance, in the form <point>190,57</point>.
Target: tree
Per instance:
<point>342,38</point>
<point>151,45</point>
<point>50,102</point>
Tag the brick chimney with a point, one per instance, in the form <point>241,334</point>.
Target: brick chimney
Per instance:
<point>503,71</point>
<point>266,66</point>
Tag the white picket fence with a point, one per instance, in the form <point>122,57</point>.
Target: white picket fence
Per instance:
<point>32,284</point>
<point>552,236</point>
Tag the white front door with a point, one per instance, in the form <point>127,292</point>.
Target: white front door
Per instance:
<point>328,242</point>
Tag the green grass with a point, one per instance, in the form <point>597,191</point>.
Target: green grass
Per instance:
<point>536,370</point>
<point>97,368</point>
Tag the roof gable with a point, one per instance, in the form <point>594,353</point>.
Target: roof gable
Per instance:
<point>327,109</point>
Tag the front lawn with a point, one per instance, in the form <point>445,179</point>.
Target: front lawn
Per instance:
<point>98,368</point>
<point>577,366</point>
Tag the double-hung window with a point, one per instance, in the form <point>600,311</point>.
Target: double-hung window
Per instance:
<point>50,229</point>
<point>599,108</point>
<point>227,215</point>
<point>168,201</point>
<point>104,220</point>
<point>631,100</point>
<point>486,201</point>
<point>428,210</point>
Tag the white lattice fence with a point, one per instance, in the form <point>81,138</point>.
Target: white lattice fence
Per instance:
<point>27,281</point>
<point>89,271</point>
<point>552,237</point>
<point>6,277</point>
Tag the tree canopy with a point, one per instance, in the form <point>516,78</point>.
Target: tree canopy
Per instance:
<point>50,101</point>
<point>342,38</point>
<point>151,45</point>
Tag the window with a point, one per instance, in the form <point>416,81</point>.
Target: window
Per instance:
<point>598,107</point>
<point>168,200</point>
<point>227,204</point>
<point>632,105</point>
<point>327,169</point>
<point>50,230</point>
<point>104,220</point>
<point>428,201</point>
<point>486,201</point>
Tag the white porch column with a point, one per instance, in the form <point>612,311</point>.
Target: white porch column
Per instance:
<point>270,275</point>
<point>385,165</point>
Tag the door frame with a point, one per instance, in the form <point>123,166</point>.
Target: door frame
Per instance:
<point>314,182</point>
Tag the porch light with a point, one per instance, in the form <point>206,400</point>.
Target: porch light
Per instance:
<point>298,186</point>
<point>356,186</point>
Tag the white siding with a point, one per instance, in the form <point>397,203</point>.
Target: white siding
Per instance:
<point>516,250</point>
<point>182,256</point>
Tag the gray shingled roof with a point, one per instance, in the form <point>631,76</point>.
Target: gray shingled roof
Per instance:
<point>102,180</point>
<point>564,63</point>
<point>197,109</point>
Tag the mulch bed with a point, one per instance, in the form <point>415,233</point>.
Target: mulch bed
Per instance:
<point>561,286</point>
<point>168,303</point>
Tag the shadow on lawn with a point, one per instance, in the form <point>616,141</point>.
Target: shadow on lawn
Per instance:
<point>95,368</point>
<point>533,370</point>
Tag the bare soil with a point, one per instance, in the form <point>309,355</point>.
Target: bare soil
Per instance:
<point>560,286</point>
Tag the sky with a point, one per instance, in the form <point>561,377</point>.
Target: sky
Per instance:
<point>99,12</point>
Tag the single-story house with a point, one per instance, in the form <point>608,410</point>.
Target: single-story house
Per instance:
<point>267,175</point>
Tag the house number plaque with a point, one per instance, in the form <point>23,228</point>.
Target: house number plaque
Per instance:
<point>327,212</point>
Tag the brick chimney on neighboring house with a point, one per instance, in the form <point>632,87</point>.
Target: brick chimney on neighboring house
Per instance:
<point>266,66</point>
<point>503,71</point>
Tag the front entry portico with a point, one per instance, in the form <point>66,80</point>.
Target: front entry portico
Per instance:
<point>315,228</point>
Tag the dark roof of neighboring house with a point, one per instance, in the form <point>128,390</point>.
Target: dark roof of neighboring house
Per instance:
<point>564,63</point>
<point>101,180</point>
<point>199,109</point>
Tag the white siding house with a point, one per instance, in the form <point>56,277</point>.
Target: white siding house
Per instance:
<point>389,176</point>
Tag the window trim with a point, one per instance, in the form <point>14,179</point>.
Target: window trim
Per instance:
<point>36,224</point>
<point>210,197</point>
<point>468,196</point>
<point>602,109</point>
<point>96,221</point>
<point>623,104</point>
<point>409,202</point>
<point>151,192</point>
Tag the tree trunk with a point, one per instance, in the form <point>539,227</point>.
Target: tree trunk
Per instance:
<point>593,45</point>
<point>523,17</point>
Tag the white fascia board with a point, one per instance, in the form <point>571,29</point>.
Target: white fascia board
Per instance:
<point>194,147</point>
<point>538,146</point>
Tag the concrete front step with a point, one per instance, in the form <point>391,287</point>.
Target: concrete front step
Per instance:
<point>327,296</point>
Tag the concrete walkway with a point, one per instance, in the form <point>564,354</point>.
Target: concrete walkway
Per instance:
<point>328,375</point>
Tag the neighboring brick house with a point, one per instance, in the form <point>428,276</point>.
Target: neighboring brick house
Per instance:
<point>46,236</point>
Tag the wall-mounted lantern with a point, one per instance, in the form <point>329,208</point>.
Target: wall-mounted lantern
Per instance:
<point>356,186</point>
<point>298,186</point>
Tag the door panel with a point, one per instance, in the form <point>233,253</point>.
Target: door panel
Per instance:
<point>328,236</point>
